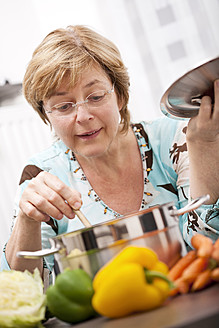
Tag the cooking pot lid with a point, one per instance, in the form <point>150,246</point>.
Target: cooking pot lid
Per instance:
<point>182,99</point>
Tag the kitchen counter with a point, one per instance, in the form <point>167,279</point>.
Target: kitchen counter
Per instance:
<point>194,310</point>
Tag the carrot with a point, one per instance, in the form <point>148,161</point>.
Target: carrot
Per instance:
<point>174,291</point>
<point>216,244</point>
<point>215,274</point>
<point>181,286</point>
<point>184,287</point>
<point>215,252</point>
<point>202,280</point>
<point>197,266</point>
<point>177,270</point>
<point>203,244</point>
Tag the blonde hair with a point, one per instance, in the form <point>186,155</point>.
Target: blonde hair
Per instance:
<point>69,52</point>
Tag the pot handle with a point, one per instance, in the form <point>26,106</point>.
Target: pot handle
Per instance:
<point>38,254</point>
<point>195,203</point>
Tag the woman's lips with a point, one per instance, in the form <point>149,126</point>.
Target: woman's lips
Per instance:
<point>89,135</point>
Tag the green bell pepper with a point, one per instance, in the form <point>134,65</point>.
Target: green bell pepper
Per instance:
<point>69,299</point>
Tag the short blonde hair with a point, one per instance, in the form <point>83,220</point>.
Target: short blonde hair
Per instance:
<point>69,52</point>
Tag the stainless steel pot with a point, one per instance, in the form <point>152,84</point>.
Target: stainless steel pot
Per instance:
<point>182,99</point>
<point>90,248</point>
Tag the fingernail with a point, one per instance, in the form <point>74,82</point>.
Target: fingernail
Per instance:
<point>72,215</point>
<point>217,83</point>
<point>47,219</point>
<point>76,205</point>
<point>60,216</point>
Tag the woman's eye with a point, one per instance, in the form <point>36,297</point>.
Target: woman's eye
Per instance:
<point>96,96</point>
<point>63,107</point>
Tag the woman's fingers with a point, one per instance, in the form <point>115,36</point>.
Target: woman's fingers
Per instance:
<point>204,127</point>
<point>205,111</point>
<point>70,196</point>
<point>49,200</point>
<point>216,102</point>
<point>32,212</point>
<point>46,195</point>
<point>41,204</point>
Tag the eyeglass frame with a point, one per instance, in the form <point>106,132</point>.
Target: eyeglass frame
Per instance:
<point>75,105</point>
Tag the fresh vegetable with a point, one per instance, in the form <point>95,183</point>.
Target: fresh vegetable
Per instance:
<point>215,252</point>
<point>215,274</point>
<point>177,270</point>
<point>203,245</point>
<point>133,281</point>
<point>181,286</point>
<point>69,299</point>
<point>202,280</point>
<point>197,269</point>
<point>22,302</point>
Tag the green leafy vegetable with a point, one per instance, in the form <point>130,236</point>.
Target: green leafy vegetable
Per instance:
<point>22,302</point>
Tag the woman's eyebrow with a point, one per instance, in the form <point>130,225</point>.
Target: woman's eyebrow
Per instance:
<point>88,85</point>
<point>60,93</point>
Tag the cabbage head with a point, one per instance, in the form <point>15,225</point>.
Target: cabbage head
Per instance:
<point>22,302</point>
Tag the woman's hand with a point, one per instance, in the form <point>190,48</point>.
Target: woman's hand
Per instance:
<point>203,129</point>
<point>203,146</point>
<point>46,195</point>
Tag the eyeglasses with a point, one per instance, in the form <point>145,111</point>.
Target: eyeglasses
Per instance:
<point>94,100</point>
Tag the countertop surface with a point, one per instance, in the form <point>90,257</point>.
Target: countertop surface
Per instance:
<point>194,310</point>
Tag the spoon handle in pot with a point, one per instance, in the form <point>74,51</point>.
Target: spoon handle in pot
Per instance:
<point>82,218</point>
<point>79,214</point>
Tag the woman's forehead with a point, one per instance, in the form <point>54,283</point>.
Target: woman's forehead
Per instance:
<point>93,75</point>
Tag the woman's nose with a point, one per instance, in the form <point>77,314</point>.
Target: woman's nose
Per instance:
<point>83,113</point>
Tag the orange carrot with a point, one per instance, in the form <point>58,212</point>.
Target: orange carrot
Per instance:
<point>177,270</point>
<point>215,274</point>
<point>202,280</point>
<point>203,244</point>
<point>181,286</point>
<point>197,266</point>
<point>184,287</point>
<point>215,252</point>
<point>215,255</point>
<point>174,291</point>
<point>216,244</point>
<point>190,278</point>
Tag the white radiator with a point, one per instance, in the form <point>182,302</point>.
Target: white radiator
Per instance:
<point>22,133</point>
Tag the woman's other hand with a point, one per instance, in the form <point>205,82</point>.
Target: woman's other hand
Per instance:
<point>203,146</point>
<point>203,129</point>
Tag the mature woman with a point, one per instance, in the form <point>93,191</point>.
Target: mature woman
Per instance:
<point>100,162</point>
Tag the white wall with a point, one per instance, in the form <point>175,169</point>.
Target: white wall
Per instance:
<point>24,23</point>
<point>22,133</point>
<point>159,41</point>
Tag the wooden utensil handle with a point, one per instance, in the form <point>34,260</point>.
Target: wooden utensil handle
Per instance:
<point>83,219</point>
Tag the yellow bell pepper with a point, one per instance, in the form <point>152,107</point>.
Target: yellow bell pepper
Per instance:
<point>133,281</point>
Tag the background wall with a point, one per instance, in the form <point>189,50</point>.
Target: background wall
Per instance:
<point>159,41</point>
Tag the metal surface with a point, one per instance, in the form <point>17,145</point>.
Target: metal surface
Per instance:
<point>182,99</point>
